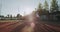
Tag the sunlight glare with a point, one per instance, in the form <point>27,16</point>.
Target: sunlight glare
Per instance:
<point>28,10</point>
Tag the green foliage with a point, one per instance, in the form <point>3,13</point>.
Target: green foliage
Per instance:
<point>40,6</point>
<point>40,9</point>
<point>1,16</point>
<point>54,6</point>
<point>8,15</point>
<point>19,16</point>
<point>46,5</point>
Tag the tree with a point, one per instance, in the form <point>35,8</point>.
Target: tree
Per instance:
<point>40,6</point>
<point>19,16</point>
<point>39,10</point>
<point>1,15</point>
<point>8,15</point>
<point>54,6</point>
<point>46,8</point>
<point>46,5</point>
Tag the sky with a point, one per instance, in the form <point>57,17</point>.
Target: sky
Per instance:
<point>19,6</point>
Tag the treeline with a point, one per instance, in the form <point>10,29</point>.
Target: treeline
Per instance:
<point>49,12</point>
<point>10,17</point>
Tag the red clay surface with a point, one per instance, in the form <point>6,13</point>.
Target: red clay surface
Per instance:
<point>31,22</point>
